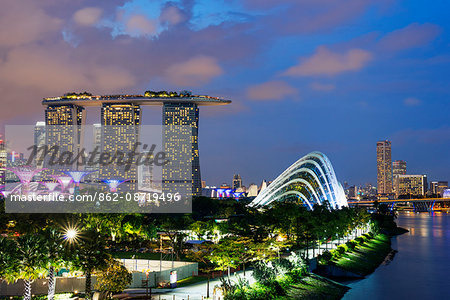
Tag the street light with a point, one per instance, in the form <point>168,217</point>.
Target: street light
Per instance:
<point>71,234</point>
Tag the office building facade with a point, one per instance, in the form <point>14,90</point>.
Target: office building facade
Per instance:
<point>411,186</point>
<point>438,187</point>
<point>399,167</point>
<point>237,181</point>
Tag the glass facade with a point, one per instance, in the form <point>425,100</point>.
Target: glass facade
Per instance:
<point>310,180</point>
<point>384,167</point>
<point>63,128</point>
<point>119,132</point>
<point>181,117</point>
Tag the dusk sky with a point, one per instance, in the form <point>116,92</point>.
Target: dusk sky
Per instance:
<point>303,75</point>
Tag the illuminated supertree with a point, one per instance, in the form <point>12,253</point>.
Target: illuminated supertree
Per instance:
<point>220,193</point>
<point>113,184</point>
<point>64,181</point>
<point>5,193</point>
<point>237,195</point>
<point>77,176</point>
<point>50,185</point>
<point>228,192</point>
<point>25,174</point>
<point>2,191</point>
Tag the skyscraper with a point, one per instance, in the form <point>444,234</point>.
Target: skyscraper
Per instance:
<point>384,167</point>
<point>237,181</point>
<point>64,129</point>
<point>120,132</point>
<point>178,117</point>
<point>39,141</point>
<point>3,156</point>
<point>399,167</point>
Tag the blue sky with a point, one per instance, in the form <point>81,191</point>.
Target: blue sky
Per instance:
<point>327,75</point>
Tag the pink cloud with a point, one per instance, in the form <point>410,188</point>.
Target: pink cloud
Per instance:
<point>141,25</point>
<point>194,72</point>
<point>326,62</point>
<point>87,16</point>
<point>411,36</point>
<point>271,90</point>
<point>172,15</point>
<point>47,69</point>
<point>22,23</point>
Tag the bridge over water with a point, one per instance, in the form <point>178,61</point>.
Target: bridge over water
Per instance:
<point>419,205</point>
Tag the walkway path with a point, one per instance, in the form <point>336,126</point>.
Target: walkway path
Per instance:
<point>197,291</point>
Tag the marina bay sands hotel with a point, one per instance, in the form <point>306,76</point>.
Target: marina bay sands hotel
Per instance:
<point>118,110</point>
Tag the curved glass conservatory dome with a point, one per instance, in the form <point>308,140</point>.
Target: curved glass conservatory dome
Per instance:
<point>311,180</point>
<point>446,193</point>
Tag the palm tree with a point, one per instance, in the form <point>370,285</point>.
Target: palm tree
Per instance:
<point>32,260</point>
<point>9,262</point>
<point>90,254</point>
<point>55,251</point>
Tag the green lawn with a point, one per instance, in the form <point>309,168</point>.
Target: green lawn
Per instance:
<point>190,280</point>
<point>366,257</point>
<point>316,287</point>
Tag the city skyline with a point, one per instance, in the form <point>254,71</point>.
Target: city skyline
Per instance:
<point>386,67</point>
<point>226,149</point>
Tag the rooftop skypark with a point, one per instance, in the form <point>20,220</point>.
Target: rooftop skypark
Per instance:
<point>148,98</point>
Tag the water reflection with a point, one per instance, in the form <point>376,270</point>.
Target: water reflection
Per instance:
<point>419,269</point>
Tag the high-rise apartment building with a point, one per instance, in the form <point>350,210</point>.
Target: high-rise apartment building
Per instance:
<point>384,167</point>
<point>411,185</point>
<point>237,181</point>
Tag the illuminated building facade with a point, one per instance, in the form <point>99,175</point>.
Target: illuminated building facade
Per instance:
<point>3,156</point>
<point>120,132</point>
<point>63,128</point>
<point>438,187</point>
<point>384,167</point>
<point>179,111</point>
<point>182,117</point>
<point>39,140</point>
<point>398,168</point>
<point>411,185</point>
<point>237,181</point>
<point>310,180</point>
